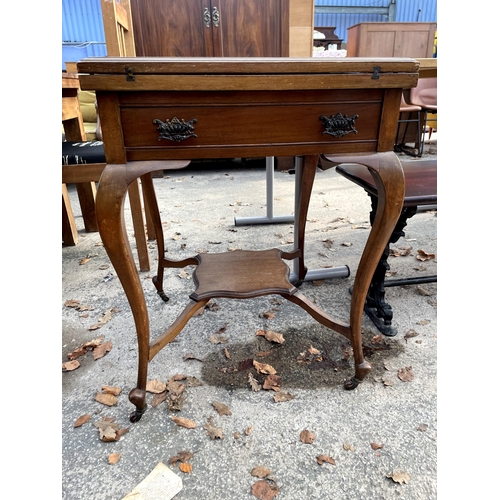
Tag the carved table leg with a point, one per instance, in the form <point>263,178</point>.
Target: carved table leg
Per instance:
<point>376,308</point>
<point>109,206</point>
<point>389,179</point>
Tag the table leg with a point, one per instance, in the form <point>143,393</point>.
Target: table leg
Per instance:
<point>110,200</point>
<point>389,179</point>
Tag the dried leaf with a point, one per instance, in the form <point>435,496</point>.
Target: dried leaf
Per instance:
<point>376,446</point>
<point>321,459</point>
<point>377,339</point>
<point>248,430</point>
<point>182,456</point>
<point>184,275</point>
<point>423,256</point>
<point>400,252</point>
<point>409,334</point>
<point>212,431</point>
<point>155,386</point>
<point>85,260</point>
<point>184,422</point>
<point>267,315</point>
<point>263,490</point>
<point>109,431</point>
<point>101,350</point>
<point>107,389</point>
<point>226,353</point>
<point>69,366</point>
<point>253,383</point>
<point>260,471</point>
<point>422,427</point>
<point>78,352</point>
<point>387,379</point>
<point>81,420</point>
<point>281,397</point>
<point>306,436</point>
<point>271,336</point>
<point>272,382</point>
<point>221,408</point>
<point>158,399</point>
<point>406,374</point>
<point>72,303</point>
<point>185,467</point>
<point>348,447</point>
<point>263,368</point>
<point>423,291</point>
<point>217,339</point>
<point>113,458</point>
<point>106,399</point>
<point>399,477</point>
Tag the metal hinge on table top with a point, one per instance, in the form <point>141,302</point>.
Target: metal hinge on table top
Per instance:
<point>130,74</point>
<point>376,73</point>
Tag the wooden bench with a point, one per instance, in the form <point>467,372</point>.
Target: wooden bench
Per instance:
<point>420,191</point>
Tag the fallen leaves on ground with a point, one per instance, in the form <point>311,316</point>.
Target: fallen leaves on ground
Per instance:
<point>272,382</point>
<point>69,366</point>
<point>212,431</point>
<point>108,389</point>
<point>260,471</point>
<point>77,305</point>
<point>101,350</point>
<point>184,422</point>
<point>254,384</point>
<point>271,336</point>
<point>263,490</point>
<point>423,256</point>
<point>113,458</point>
<point>104,318</point>
<point>281,397</point>
<point>321,459</point>
<point>182,456</point>
<point>176,394</point>
<point>264,368</point>
<point>221,408</point>
<point>306,436</point>
<point>84,348</point>
<point>186,467</point>
<point>217,339</point>
<point>83,419</point>
<point>106,399</point>
<point>399,477</point>
<point>376,446</point>
<point>348,447</point>
<point>155,386</point>
<point>108,430</point>
<point>267,315</point>
<point>409,334</point>
<point>306,357</point>
<point>406,374</point>
<point>400,252</point>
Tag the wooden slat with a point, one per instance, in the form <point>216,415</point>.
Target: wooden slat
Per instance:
<point>248,82</point>
<point>245,65</point>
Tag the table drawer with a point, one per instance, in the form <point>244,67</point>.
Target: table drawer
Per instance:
<point>303,121</point>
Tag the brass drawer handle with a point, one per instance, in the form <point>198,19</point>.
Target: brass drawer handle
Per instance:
<point>339,125</point>
<point>175,129</point>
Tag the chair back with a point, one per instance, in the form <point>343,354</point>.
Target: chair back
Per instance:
<point>425,93</point>
<point>118,28</point>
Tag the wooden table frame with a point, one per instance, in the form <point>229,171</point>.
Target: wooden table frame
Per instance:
<point>344,107</point>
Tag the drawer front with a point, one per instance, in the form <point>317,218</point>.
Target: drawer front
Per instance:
<point>301,125</point>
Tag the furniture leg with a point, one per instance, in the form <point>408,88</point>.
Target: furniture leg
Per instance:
<point>376,308</point>
<point>86,196</point>
<point>388,175</point>
<point>139,228</point>
<point>69,231</point>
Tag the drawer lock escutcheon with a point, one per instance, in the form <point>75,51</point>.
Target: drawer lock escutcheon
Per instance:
<point>339,125</point>
<point>175,130</point>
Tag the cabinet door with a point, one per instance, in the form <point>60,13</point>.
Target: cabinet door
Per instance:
<point>164,28</point>
<point>253,28</point>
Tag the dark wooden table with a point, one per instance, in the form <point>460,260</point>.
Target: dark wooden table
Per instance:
<point>157,109</point>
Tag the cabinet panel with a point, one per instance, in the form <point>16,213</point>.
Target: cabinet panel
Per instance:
<point>171,28</point>
<point>207,28</point>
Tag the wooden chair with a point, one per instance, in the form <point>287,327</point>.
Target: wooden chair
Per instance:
<point>425,96</point>
<point>408,114</point>
<point>420,191</point>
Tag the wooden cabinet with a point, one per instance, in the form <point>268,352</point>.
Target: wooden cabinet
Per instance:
<point>211,28</point>
<point>391,40</point>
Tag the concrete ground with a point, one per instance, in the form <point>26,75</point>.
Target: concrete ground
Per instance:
<point>382,436</point>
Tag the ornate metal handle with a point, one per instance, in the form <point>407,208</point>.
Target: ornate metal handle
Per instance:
<point>206,17</point>
<point>215,17</point>
<point>175,129</point>
<point>339,125</point>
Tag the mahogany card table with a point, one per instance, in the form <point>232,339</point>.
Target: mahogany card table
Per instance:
<point>158,109</point>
